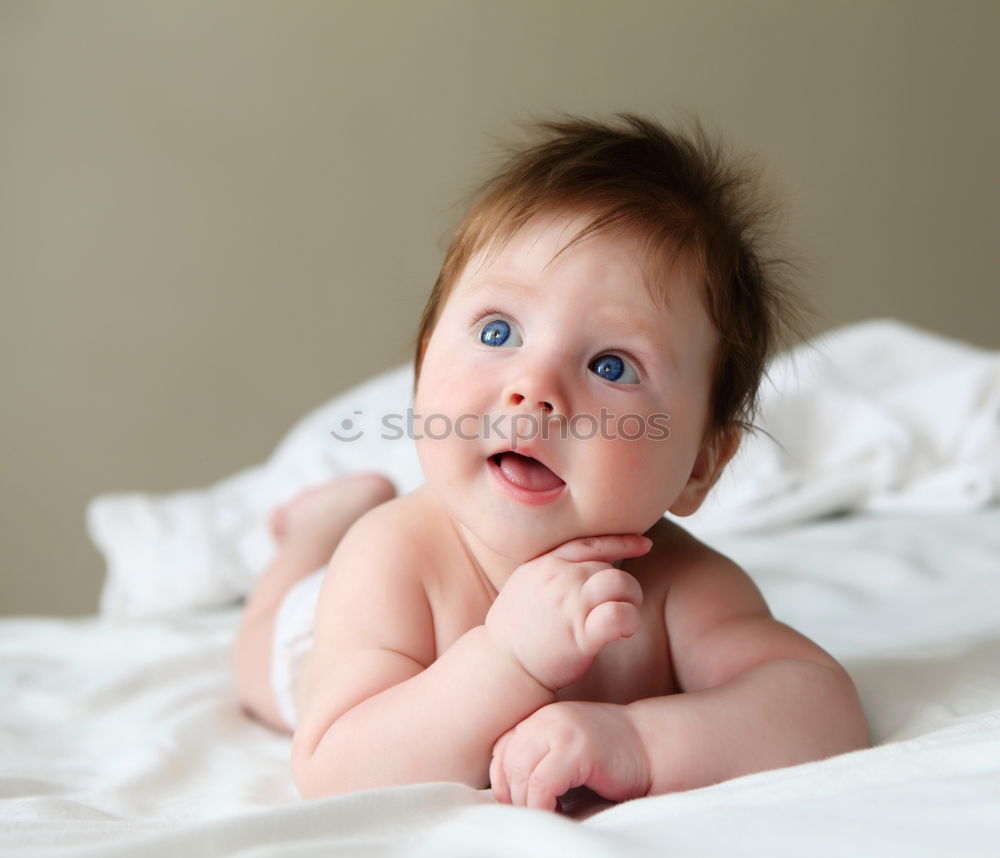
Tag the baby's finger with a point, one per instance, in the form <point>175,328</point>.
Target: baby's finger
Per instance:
<point>554,775</point>
<point>608,622</point>
<point>498,780</point>
<point>607,548</point>
<point>609,585</point>
<point>519,761</point>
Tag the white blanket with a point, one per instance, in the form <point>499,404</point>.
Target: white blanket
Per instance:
<point>875,417</point>
<point>123,737</point>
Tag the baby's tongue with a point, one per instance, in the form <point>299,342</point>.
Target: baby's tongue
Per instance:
<point>528,473</point>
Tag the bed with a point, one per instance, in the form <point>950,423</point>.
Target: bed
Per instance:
<point>873,526</point>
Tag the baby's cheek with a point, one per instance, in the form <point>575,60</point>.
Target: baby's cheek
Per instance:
<point>437,457</point>
<point>668,469</point>
<point>629,484</point>
<point>635,461</point>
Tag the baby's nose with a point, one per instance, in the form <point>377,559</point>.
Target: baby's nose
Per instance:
<point>516,398</point>
<point>537,387</point>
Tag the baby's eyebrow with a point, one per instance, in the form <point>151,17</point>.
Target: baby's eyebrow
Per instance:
<point>506,284</point>
<point>632,328</point>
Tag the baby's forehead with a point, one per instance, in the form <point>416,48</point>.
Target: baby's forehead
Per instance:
<point>617,262</point>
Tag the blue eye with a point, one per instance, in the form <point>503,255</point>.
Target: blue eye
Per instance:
<point>613,368</point>
<point>497,332</point>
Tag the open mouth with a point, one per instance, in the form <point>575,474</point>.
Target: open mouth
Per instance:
<point>526,473</point>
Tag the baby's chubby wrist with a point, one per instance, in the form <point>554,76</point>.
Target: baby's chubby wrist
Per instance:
<point>507,664</point>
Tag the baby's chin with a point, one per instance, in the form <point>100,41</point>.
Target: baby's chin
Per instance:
<point>512,543</point>
<point>516,541</point>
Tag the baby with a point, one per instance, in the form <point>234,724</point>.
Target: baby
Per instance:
<point>527,619</point>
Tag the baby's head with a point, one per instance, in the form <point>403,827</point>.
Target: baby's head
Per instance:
<point>602,207</point>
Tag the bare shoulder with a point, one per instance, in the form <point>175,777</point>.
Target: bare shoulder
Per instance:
<point>406,524</point>
<point>716,618</point>
<point>697,570</point>
<point>374,591</point>
<point>683,566</point>
<point>703,588</point>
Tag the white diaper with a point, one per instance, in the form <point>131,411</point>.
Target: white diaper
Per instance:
<point>293,638</point>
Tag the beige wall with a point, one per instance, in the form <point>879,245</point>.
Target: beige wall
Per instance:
<point>214,216</point>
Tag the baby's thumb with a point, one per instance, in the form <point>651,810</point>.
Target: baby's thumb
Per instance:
<point>608,622</point>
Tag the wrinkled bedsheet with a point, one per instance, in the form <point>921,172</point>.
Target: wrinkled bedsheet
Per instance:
<point>123,737</point>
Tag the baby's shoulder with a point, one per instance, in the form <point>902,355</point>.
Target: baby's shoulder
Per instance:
<point>675,551</point>
<point>406,530</point>
<point>685,567</point>
<point>416,573</point>
<point>381,563</point>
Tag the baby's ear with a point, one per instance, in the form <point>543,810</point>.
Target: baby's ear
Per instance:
<point>712,459</point>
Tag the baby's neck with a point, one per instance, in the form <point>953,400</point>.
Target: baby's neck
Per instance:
<point>493,568</point>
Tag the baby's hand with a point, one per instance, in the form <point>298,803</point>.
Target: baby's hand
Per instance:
<point>558,611</point>
<point>570,744</point>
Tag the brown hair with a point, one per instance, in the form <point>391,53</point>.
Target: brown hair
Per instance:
<point>684,197</point>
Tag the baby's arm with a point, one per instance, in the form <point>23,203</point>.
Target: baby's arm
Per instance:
<point>758,695</point>
<point>379,710</point>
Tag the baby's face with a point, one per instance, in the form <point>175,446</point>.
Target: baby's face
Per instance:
<point>571,363</point>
